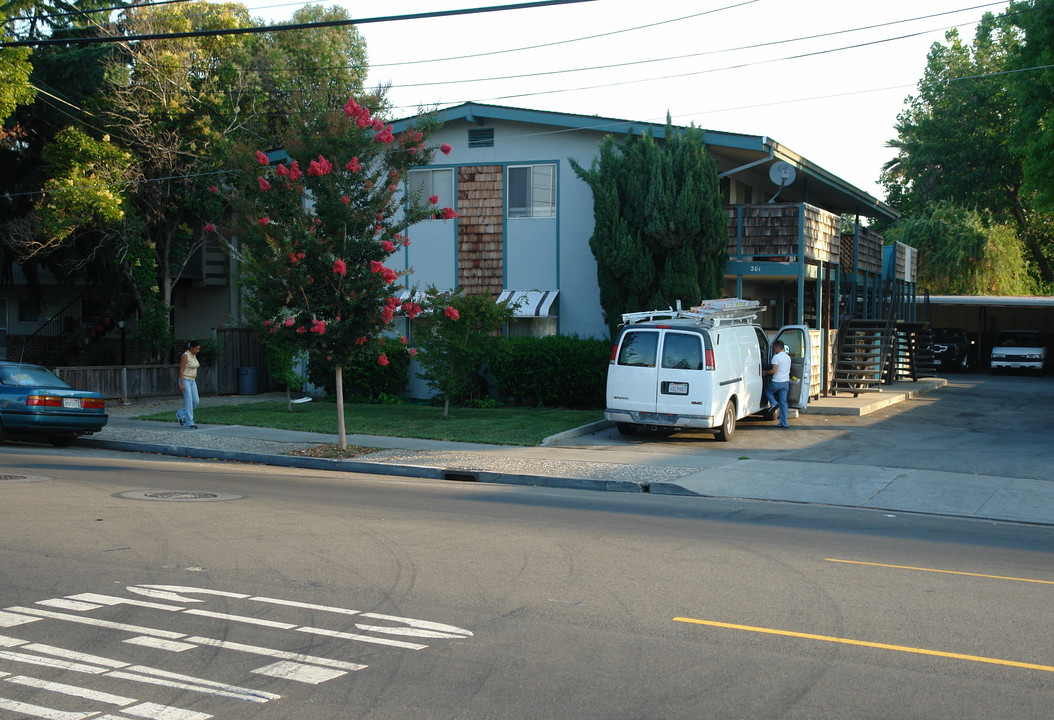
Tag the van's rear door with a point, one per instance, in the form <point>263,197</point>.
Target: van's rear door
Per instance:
<point>631,379</point>
<point>797,344</point>
<point>682,379</point>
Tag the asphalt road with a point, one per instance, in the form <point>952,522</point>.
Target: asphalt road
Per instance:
<point>323,595</point>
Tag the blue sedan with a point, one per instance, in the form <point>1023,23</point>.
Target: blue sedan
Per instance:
<point>34,402</point>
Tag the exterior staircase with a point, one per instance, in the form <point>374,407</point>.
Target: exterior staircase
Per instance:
<point>912,352</point>
<point>861,355</point>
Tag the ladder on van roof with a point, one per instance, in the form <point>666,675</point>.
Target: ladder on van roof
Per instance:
<point>713,313</point>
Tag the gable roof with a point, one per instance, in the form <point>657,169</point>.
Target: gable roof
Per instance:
<point>746,157</point>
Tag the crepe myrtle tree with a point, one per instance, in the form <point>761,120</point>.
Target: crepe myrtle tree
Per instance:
<point>316,232</point>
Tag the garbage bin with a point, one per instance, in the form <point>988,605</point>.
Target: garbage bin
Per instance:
<point>248,380</point>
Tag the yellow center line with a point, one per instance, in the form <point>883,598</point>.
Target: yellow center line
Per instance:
<point>865,643</point>
<point>946,572</point>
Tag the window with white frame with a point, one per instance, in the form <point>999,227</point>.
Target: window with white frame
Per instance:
<point>437,182</point>
<point>532,191</point>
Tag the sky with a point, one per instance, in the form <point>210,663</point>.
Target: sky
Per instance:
<point>824,78</point>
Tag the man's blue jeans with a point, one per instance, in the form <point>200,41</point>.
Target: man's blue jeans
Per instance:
<point>776,393</point>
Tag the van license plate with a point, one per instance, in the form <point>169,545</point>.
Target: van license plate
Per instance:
<point>71,403</point>
<point>677,388</point>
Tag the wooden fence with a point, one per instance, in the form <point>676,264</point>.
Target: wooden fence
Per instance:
<point>239,349</point>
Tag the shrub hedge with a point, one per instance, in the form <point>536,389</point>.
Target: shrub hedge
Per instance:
<point>554,371</point>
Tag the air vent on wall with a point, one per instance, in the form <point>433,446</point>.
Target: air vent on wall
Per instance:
<point>481,138</point>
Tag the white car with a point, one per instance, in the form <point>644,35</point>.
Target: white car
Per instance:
<point>1019,350</point>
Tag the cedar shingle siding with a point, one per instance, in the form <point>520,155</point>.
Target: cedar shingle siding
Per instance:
<point>479,229</point>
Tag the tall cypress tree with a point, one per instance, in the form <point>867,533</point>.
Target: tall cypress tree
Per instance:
<point>660,230</point>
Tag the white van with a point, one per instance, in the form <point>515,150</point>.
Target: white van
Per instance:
<point>698,369</point>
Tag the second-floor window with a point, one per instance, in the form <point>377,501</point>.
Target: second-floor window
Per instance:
<point>532,191</point>
<point>439,182</point>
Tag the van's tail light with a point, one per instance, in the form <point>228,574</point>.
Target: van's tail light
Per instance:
<point>614,352</point>
<point>710,359</point>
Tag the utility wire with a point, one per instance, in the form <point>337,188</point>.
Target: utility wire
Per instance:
<point>286,27</point>
<point>568,41</point>
<point>755,46</point>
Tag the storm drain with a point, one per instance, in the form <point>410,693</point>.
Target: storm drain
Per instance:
<point>177,496</point>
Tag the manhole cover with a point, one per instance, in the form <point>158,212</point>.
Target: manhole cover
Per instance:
<point>177,496</point>
<point>22,478</point>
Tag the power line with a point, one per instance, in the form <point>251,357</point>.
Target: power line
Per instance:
<point>565,42</point>
<point>721,52</point>
<point>286,27</point>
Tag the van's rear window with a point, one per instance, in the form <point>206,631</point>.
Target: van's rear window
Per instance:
<point>639,348</point>
<point>682,351</point>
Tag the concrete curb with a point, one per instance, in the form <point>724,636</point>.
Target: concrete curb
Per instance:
<point>375,468</point>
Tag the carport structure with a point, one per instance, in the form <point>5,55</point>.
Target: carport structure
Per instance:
<point>983,317</point>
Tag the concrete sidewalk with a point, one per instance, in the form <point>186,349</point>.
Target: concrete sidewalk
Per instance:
<point>596,458</point>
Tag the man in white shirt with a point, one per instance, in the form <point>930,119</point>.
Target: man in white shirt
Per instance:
<point>780,383</point>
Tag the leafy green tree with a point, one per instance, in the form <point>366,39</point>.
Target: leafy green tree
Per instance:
<point>454,334</point>
<point>954,138</point>
<point>660,230</point>
<point>15,88</point>
<point>963,253</point>
<point>1033,90</point>
<point>315,235</point>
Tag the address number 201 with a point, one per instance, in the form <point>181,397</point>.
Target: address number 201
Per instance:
<point>755,268</point>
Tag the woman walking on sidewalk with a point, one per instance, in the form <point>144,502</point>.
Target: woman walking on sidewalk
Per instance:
<point>188,384</point>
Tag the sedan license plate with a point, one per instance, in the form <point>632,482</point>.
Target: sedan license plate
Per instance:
<point>677,388</point>
<point>71,403</point>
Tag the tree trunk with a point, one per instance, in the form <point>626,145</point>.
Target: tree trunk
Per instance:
<point>446,405</point>
<point>342,437</point>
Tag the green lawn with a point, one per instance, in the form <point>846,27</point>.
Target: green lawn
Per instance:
<point>504,426</point>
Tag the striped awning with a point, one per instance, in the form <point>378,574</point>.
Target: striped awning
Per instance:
<point>532,303</point>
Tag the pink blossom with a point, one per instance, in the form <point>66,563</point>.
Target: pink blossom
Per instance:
<point>294,172</point>
<point>264,220</point>
<point>413,352</point>
<point>360,340</point>
<point>340,268</point>
<point>261,158</point>
<point>214,190</point>
<point>353,165</point>
<point>318,326</point>
<point>384,134</point>
<point>382,360</point>
<point>376,266</point>
<point>210,227</point>
<point>402,339</point>
<point>389,275</point>
<point>301,330</point>
<point>268,323</point>
<point>406,242</point>
<point>282,171</point>
<point>451,312</point>
<point>412,309</point>
<point>388,314</point>
<point>289,322</point>
<point>433,200</point>
<point>378,124</point>
<point>264,185</point>
<point>388,246</point>
<point>449,213</point>
<point>345,199</point>
<point>445,149</point>
<point>320,167</point>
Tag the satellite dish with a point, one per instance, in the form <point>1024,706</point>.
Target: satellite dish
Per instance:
<point>781,174</point>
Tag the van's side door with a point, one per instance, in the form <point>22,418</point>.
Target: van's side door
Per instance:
<point>797,344</point>
<point>631,381</point>
<point>683,385</point>
<point>755,355</point>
